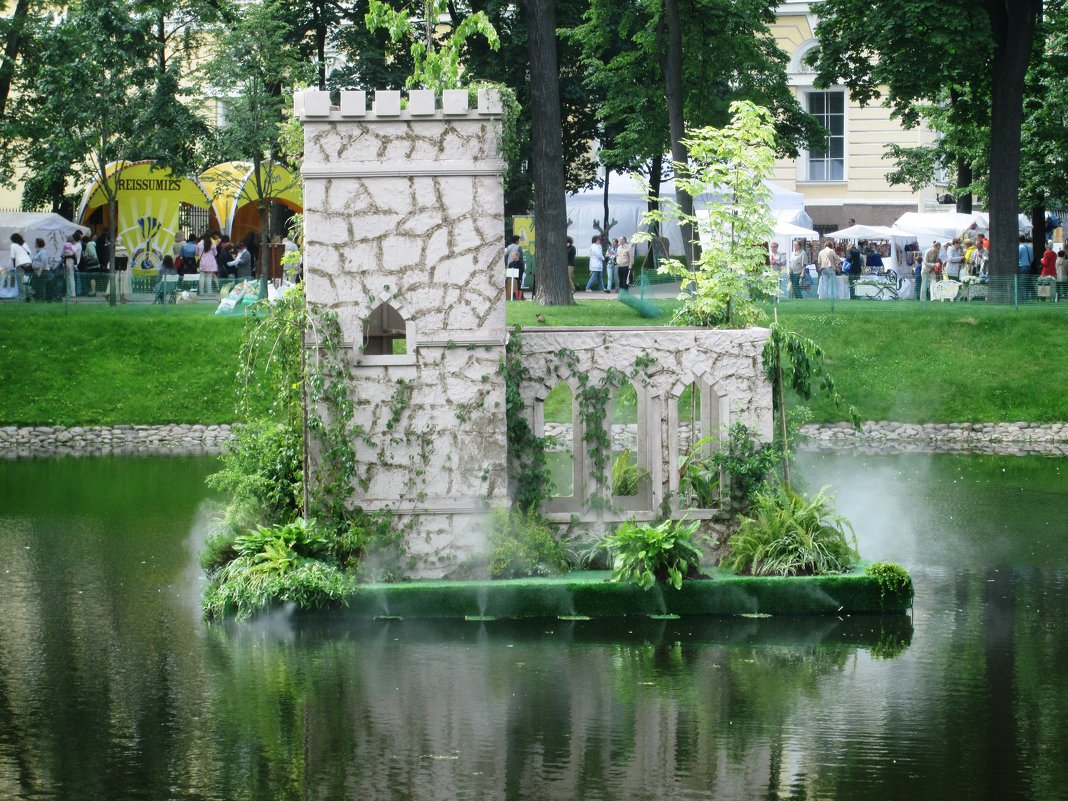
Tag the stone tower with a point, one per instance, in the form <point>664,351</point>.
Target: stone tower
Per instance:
<point>403,224</point>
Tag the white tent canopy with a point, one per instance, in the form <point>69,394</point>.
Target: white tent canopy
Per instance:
<point>790,231</point>
<point>627,204</point>
<point>52,228</point>
<point>944,225</point>
<point>864,232</point>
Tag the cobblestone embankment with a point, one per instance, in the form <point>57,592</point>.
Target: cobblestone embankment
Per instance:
<point>1013,439</point>
<point>171,440</point>
<point>873,437</point>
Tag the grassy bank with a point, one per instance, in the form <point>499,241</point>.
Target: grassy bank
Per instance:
<point>101,366</point>
<point>895,361</point>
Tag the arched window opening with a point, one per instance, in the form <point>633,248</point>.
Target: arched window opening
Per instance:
<point>558,411</point>
<point>385,332</point>
<point>699,477</point>
<point>627,476</point>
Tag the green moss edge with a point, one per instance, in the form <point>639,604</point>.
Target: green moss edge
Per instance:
<point>590,593</point>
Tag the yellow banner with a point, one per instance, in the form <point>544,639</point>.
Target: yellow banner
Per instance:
<point>148,204</point>
<point>523,227</point>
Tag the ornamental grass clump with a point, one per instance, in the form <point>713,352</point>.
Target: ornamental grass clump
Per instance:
<point>788,534</point>
<point>646,554</point>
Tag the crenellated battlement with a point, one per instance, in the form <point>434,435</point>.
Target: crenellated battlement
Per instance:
<point>389,105</point>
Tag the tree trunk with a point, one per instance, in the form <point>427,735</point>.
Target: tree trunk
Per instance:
<point>964,178</point>
<point>676,122</point>
<point>113,233</point>
<point>12,43</point>
<point>320,42</point>
<point>1013,25</point>
<point>606,225</point>
<point>1038,236</point>
<point>546,157</point>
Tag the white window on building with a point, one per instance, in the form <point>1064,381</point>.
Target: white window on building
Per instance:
<point>829,109</point>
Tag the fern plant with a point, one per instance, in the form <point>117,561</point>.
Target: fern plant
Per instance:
<point>626,476</point>
<point>646,554</point>
<point>788,534</point>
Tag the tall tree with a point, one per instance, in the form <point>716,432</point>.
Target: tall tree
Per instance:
<point>14,36</point>
<point>975,46</point>
<point>660,64</point>
<point>546,160</point>
<point>261,68</point>
<point>97,126</point>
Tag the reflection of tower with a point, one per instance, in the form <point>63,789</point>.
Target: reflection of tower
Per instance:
<point>403,214</point>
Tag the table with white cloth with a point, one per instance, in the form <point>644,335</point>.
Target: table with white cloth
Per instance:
<point>832,286</point>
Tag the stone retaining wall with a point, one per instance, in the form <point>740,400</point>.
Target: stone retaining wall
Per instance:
<point>1012,439</point>
<point>169,440</point>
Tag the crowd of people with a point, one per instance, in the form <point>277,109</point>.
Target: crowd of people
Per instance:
<point>610,267</point>
<point>32,272</point>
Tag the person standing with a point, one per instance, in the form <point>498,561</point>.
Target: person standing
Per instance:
<point>777,262</point>
<point>954,257</point>
<point>828,262</point>
<point>797,267</point>
<point>22,264</point>
<point>209,268</point>
<point>932,262</point>
<point>855,265</point>
<point>572,252</point>
<point>242,261</point>
<point>596,264</point>
<point>513,260</point>
<point>624,260</point>
<point>1026,259</point>
<point>610,265</point>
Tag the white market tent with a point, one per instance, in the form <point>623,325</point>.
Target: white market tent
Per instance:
<point>627,204</point>
<point>52,228</point>
<point>864,232</point>
<point>944,225</point>
<point>791,231</point>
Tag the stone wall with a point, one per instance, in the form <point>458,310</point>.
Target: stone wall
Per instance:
<point>405,207</point>
<point>173,439</point>
<point>660,363</point>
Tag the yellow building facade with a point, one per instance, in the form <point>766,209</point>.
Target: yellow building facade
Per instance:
<point>848,179</point>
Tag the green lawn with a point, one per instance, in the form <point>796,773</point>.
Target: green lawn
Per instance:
<point>135,364</point>
<point>895,361</point>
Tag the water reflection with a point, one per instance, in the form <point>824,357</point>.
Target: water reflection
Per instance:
<point>111,687</point>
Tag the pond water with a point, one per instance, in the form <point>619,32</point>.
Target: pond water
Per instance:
<point>111,686</point>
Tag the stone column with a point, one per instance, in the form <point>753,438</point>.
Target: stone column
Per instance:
<point>404,206</point>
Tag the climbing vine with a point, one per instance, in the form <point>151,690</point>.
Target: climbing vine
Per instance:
<point>528,474</point>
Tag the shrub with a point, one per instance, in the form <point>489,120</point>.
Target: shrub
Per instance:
<point>790,535</point>
<point>263,472</point>
<point>248,585</point>
<point>276,565</point>
<point>646,554</point>
<point>894,580</point>
<point>524,544</point>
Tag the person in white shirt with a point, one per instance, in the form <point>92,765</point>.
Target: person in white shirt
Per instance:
<point>21,261</point>
<point>797,266</point>
<point>596,264</point>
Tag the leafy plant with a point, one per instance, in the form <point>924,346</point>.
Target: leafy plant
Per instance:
<point>791,535</point>
<point>528,474</point>
<point>646,554</point>
<point>894,580</point>
<point>731,276</point>
<point>626,475</point>
<point>747,462</point>
<point>524,544</point>
<point>699,479</point>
